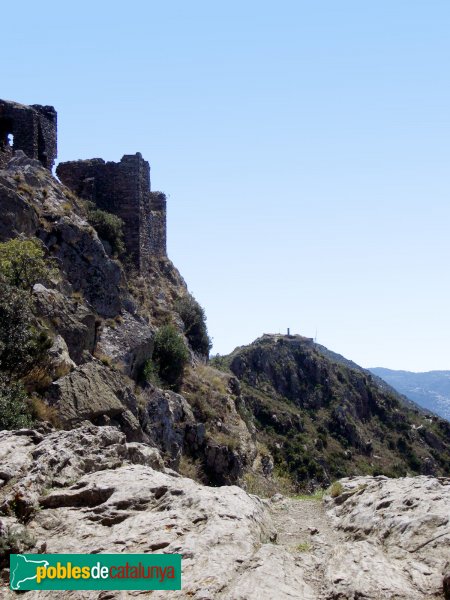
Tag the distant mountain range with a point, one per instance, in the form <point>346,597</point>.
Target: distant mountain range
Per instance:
<point>430,390</point>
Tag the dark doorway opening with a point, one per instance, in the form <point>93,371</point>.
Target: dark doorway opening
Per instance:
<point>6,133</point>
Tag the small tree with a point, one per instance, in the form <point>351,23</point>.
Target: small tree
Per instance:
<point>21,344</point>
<point>14,410</point>
<point>108,226</point>
<point>194,320</point>
<point>23,263</point>
<point>170,355</point>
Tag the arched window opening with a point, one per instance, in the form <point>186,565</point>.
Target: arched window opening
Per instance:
<point>6,133</point>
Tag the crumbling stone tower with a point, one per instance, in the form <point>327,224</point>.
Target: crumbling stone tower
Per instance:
<point>28,128</point>
<point>123,189</point>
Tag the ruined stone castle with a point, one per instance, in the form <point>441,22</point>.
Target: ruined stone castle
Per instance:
<point>121,188</point>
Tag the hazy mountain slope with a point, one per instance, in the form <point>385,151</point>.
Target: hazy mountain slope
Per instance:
<point>431,390</point>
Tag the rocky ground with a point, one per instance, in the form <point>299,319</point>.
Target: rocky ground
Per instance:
<point>379,538</point>
<point>305,530</point>
<point>88,490</point>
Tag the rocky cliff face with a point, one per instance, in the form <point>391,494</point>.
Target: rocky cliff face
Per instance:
<point>101,318</point>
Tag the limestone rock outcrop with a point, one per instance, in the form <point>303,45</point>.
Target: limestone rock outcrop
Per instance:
<point>18,217</point>
<point>87,490</point>
<point>37,205</point>
<point>98,394</point>
<point>397,538</point>
<point>169,422</point>
<point>127,341</point>
<point>70,319</point>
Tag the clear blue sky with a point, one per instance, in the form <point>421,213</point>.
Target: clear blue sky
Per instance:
<point>304,147</point>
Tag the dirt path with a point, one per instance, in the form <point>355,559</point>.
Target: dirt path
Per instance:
<point>305,530</point>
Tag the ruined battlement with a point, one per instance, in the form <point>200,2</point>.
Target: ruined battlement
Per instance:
<point>32,129</point>
<point>123,189</point>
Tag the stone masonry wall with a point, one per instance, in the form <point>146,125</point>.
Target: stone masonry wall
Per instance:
<point>34,130</point>
<point>123,189</point>
<point>158,219</point>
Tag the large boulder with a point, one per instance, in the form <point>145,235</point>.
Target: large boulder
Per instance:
<point>397,538</point>
<point>60,363</point>
<point>55,364</point>
<point>70,318</point>
<point>127,341</point>
<point>223,462</point>
<point>99,394</point>
<point>168,421</point>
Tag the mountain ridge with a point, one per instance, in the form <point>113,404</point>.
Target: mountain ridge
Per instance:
<point>323,417</point>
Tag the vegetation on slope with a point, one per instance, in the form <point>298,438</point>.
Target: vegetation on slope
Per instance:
<point>109,228</point>
<point>322,420</point>
<point>23,340</point>
<point>169,359</point>
<point>194,321</point>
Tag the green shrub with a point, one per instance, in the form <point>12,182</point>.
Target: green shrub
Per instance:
<point>194,320</point>
<point>14,409</point>
<point>23,263</point>
<point>109,228</point>
<point>303,547</point>
<point>220,362</point>
<point>170,356</point>
<point>316,495</point>
<point>150,373</point>
<point>21,343</point>
<point>403,446</point>
<point>336,489</point>
<point>14,541</point>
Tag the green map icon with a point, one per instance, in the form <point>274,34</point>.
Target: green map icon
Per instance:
<point>24,570</point>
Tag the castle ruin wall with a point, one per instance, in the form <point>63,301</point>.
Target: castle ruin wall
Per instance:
<point>32,129</point>
<point>123,189</point>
